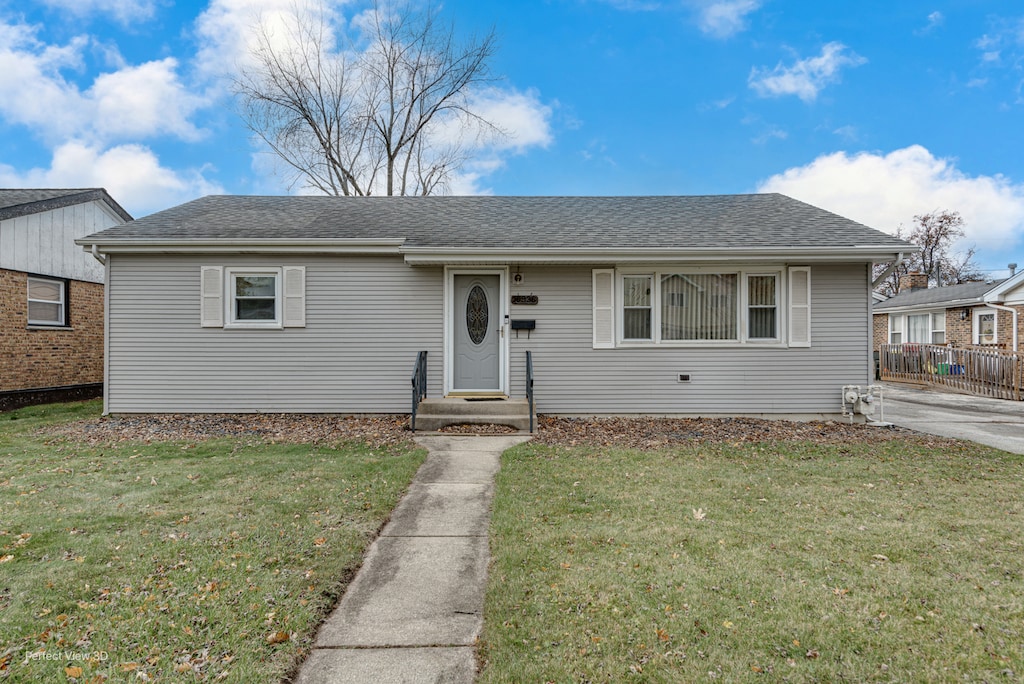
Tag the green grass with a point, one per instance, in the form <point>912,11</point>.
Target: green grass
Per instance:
<point>176,561</point>
<point>889,562</point>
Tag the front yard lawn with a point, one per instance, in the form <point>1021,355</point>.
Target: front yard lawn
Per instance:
<point>208,559</point>
<point>785,561</point>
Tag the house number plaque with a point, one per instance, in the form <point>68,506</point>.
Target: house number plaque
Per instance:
<point>524,299</point>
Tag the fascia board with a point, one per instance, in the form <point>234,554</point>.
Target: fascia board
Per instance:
<point>434,255</point>
<point>946,304</point>
<point>998,293</point>
<point>326,246</point>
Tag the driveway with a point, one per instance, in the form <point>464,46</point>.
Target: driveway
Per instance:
<point>997,423</point>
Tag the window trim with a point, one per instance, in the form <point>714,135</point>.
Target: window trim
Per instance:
<point>65,318</point>
<point>657,272</point>
<point>976,329</point>
<point>232,273</point>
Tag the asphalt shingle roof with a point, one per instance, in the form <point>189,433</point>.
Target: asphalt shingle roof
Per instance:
<point>24,201</point>
<point>720,221</point>
<point>937,296</point>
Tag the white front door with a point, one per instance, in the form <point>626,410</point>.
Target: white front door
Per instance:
<point>477,333</point>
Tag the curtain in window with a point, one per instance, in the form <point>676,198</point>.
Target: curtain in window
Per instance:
<point>636,308</point>
<point>761,300</point>
<point>699,306</point>
<point>919,328</point>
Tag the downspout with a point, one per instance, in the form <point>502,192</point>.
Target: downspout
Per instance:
<point>1013,311</point>
<point>887,272</point>
<point>102,258</point>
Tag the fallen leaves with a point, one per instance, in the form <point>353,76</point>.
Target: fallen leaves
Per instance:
<point>278,638</point>
<point>377,431</point>
<point>648,433</point>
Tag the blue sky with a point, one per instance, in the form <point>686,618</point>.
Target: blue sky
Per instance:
<point>874,110</point>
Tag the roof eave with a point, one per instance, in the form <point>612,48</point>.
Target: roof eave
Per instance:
<point>998,292</point>
<point>247,246</point>
<point>944,304</point>
<point>424,256</point>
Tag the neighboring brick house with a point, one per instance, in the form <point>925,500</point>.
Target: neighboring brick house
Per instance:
<point>51,294</point>
<point>982,315</point>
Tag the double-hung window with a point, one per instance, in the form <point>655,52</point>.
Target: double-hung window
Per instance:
<point>763,307</point>
<point>47,301</point>
<point>636,307</point>
<point>253,297</point>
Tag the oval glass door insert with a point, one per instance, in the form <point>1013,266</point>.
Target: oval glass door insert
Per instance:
<point>476,314</point>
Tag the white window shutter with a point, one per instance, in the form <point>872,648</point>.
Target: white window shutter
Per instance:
<point>604,308</point>
<point>294,296</point>
<point>800,306</point>
<point>211,296</point>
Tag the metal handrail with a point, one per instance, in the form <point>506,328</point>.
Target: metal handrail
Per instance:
<point>419,385</point>
<point>529,386</point>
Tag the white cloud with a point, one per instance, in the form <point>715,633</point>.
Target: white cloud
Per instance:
<point>886,190</point>
<point>935,19</point>
<point>124,11</point>
<point>724,18</point>
<point>227,29</point>
<point>806,77</point>
<point>525,119</point>
<point>131,173</point>
<point>769,134</point>
<point>128,103</point>
<point>144,100</point>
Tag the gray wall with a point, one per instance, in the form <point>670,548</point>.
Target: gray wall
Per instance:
<point>43,243</point>
<point>572,377</point>
<point>366,318</point>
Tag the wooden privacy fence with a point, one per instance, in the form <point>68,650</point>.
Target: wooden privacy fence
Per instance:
<point>988,373</point>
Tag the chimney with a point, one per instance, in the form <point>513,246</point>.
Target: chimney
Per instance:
<point>910,282</point>
<point>1013,268</point>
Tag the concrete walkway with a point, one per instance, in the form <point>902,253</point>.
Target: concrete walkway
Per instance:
<point>415,608</point>
<point>997,423</point>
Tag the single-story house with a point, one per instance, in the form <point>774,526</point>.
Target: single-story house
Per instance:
<point>983,315</point>
<point>715,305</point>
<point>51,294</point>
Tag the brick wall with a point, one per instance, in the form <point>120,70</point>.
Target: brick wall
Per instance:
<point>49,358</point>
<point>880,330</point>
<point>958,332</point>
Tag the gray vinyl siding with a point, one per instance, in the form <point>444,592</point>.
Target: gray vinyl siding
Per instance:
<point>44,242</point>
<point>366,317</point>
<point>571,377</point>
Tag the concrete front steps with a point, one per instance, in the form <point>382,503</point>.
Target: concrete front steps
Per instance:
<point>434,414</point>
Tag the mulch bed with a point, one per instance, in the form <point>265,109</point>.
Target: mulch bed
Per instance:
<point>653,433</point>
<point>632,432</point>
<point>377,431</point>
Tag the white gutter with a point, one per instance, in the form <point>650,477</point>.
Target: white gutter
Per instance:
<point>592,255</point>
<point>1000,307</point>
<point>888,272</point>
<point>102,258</point>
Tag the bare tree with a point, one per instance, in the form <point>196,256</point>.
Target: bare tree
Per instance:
<point>935,234</point>
<point>382,109</point>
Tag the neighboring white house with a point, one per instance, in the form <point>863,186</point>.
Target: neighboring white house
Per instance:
<point>742,304</point>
